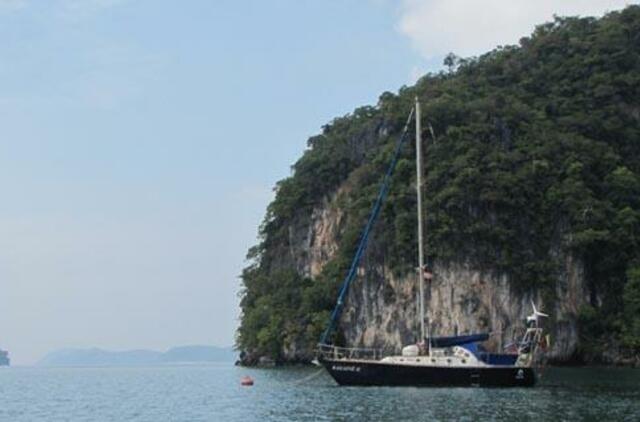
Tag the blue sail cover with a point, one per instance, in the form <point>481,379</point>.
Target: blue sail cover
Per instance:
<point>470,342</point>
<point>502,359</point>
<point>458,340</point>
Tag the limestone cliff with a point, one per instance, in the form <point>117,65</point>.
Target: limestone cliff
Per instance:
<point>381,307</point>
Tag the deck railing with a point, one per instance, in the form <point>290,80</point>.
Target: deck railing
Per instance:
<point>328,351</point>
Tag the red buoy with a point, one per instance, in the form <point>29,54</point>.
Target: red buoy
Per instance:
<point>247,381</point>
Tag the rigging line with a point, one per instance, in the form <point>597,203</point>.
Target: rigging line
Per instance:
<point>337,311</point>
<point>433,134</point>
<point>309,377</point>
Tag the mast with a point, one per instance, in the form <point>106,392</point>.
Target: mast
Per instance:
<point>420,230</point>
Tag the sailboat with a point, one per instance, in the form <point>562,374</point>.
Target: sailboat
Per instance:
<point>432,361</point>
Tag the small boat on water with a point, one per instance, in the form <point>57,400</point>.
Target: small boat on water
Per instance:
<point>433,361</point>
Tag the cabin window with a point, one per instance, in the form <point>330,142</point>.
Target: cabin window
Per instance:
<point>464,361</point>
<point>417,360</point>
<point>448,360</point>
<point>433,361</point>
<point>401,360</point>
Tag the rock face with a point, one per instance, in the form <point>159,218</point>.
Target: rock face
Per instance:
<point>381,309</point>
<point>462,300</point>
<point>313,241</point>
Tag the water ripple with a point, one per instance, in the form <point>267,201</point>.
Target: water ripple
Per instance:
<point>213,393</point>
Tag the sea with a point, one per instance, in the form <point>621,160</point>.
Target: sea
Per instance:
<point>213,393</point>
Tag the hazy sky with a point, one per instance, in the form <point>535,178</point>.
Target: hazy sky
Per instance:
<point>140,140</point>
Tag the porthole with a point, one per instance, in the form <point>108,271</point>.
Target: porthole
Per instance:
<point>464,361</point>
<point>417,360</point>
<point>433,361</point>
<point>448,360</point>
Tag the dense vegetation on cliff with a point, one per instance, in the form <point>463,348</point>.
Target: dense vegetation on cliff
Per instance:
<point>537,147</point>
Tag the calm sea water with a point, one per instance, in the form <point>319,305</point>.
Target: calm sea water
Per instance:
<point>213,393</point>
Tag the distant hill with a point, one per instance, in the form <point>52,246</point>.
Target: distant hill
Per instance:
<point>100,357</point>
<point>199,354</point>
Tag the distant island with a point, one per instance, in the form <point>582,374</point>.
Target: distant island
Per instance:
<point>101,357</point>
<point>4,358</point>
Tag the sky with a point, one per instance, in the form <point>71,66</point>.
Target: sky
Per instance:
<point>141,139</point>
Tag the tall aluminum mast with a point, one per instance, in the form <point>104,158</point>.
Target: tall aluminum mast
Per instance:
<point>420,230</point>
